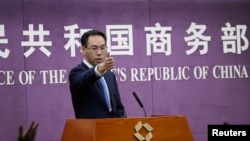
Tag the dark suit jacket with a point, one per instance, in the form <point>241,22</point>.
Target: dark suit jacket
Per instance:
<point>87,97</point>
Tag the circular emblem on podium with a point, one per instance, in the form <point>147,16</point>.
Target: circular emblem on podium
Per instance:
<point>138,127</point>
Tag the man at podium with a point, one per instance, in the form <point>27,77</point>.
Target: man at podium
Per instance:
<point>93,87</point>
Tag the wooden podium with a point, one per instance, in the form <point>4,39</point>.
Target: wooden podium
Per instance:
<point>156,128</point>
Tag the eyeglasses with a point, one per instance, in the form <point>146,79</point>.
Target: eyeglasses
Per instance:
<point>95,48</point>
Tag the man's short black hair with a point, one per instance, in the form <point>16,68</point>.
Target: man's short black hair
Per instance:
<point>85,36</point>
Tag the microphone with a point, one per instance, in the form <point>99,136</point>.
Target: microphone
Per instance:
<point>140,103</point>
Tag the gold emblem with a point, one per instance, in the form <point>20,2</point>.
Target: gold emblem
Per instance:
<point>147,127</point>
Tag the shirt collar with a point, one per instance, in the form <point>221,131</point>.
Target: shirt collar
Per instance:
<point>87,63</point>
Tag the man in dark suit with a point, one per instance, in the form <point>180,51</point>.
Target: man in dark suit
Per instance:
<point>92,98</point>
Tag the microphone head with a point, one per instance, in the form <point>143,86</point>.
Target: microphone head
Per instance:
<point>137,99</point>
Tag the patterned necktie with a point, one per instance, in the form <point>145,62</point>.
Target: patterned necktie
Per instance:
<point>106,92</point>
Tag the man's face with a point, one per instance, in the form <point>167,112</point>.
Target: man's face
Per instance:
<point>96,50</point>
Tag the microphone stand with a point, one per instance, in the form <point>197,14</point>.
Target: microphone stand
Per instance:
<point>145,114</point>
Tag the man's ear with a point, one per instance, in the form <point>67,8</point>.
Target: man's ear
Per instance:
<point>82,49</point>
